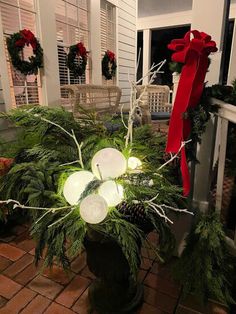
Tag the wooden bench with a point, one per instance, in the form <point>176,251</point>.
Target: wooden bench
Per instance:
<point>96,98</point>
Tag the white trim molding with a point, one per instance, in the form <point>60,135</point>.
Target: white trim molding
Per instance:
<point>165,20</point>
<point>114,2</point>
<point>50,73</point>
<point>95,41</point>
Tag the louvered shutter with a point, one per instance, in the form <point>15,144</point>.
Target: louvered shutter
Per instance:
<point>108,32</point>
<point>17,15</point>
<point>72,27</point>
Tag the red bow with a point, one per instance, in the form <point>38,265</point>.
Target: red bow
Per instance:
<point>28,38</point>
<point>5,164</point>
<point>111,55</point>
<point>193,53</point>
<point>81,49</point>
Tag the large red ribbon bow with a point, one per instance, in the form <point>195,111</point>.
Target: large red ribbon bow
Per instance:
<point>28,38</point>
<point>111,55</point>
<point>81,49</point>
<point>193,53</point>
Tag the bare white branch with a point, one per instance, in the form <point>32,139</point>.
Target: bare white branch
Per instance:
<point>69,163</point>
<point>138,62</point>
<point>178,209</point>
<point>155,208</point>
<point>72,135</point>
<point>50,209</point>
<point>135,102</point>
<point>174,156</point>
<point>62,218</point>
<point>122,116</point>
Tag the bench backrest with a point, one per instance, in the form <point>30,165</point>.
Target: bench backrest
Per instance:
<point>156,97</point>
<point>98,98</point>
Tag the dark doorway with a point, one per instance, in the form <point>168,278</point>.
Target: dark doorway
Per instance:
<point>228,44</point>
<point>159,51</point>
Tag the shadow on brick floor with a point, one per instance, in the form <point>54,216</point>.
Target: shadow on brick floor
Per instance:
<point>24,289</point>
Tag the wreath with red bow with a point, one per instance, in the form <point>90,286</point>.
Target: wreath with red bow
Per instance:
<point>15,45</point>
<point>109,65</point>
<point>80,53</point>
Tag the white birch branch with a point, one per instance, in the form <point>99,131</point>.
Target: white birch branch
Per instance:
<point>72,135</point>
<point>174,156</point>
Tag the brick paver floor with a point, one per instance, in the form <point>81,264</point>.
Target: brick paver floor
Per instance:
<point>24,289</point>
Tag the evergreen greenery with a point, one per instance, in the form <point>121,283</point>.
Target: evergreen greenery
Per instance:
<point>199,116</point>
<point>175,67</point>
<point>225,93</point>
<point>38,175</point>
<point>228,95</point>
<point>205,267</point>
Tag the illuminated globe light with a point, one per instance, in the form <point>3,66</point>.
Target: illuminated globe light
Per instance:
<point>75,185</point>
<point>134,163</point>
<point>93,209</point>
<point>112,192</point>
<point>108,163</point>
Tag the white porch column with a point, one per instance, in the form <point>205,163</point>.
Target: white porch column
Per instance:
<point>50,73</point>
<point>208,16</point>
<point>146,53</point>
<point>95,42</point>
<point>232,64</point>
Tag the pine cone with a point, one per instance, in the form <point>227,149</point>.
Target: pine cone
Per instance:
<point>135,213</point>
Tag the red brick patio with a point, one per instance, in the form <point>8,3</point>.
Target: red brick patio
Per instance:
<point>23,289</point>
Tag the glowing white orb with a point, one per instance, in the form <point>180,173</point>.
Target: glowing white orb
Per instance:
<point>108,163</point>
<point>134,163</point>
<point>93,209</point>
<point>112,192</point>
<point>75,185</point>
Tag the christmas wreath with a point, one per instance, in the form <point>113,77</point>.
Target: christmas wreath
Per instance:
<point>15,45</point>
<point>109,65</point>
<point>78,50</point>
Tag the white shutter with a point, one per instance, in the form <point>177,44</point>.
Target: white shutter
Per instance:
<point>108,32</point>
<point>17,15</point>
<point>72,27</point>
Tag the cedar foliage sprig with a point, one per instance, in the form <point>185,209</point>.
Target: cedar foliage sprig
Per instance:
<point>205,267</point>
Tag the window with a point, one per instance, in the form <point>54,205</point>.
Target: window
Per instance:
<point>108,32</point>
<point>17,15</point>
<point>72,27</point>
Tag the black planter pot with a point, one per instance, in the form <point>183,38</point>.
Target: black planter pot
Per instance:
<point>113,291</point>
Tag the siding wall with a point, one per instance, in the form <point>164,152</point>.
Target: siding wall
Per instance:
<point>126,37</point>
<point>127,43</point>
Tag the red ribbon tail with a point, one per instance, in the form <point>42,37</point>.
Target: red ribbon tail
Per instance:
<point>185,173</point>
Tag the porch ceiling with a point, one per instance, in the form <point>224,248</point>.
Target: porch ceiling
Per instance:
<point>156,7</point>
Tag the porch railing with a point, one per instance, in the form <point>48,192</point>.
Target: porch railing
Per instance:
<point>225,114</point>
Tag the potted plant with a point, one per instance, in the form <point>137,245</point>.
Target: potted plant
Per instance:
<point>88,188</point>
